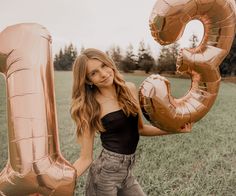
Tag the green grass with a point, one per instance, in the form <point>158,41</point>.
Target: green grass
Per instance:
<point>200,163</point>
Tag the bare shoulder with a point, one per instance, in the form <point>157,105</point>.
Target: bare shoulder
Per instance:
<point>131,86</point>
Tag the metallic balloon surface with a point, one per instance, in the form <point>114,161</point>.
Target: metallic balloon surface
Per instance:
<point>167,23</point>
<point>35,163</point>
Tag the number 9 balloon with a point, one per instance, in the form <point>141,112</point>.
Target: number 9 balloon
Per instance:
<point>35,163</point>
<point>167,22</point>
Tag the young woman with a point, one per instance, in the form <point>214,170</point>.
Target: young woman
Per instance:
<point>102,102</point>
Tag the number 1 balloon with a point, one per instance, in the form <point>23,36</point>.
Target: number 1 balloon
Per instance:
<point>167,23</point>
<point>35,163</point>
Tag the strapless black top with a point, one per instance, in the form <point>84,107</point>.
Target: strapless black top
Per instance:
<point>121,132</point>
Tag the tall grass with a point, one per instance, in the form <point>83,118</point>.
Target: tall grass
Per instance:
<point>199,163</point>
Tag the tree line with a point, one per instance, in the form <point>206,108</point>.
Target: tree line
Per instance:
<point>144,59</point>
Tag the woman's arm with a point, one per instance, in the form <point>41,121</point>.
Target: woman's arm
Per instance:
<point>86,141</point>
<point>149,130</point>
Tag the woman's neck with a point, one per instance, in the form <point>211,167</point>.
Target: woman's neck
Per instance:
<point>109,92</point>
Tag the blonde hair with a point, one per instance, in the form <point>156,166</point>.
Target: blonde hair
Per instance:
<point>85,110</point>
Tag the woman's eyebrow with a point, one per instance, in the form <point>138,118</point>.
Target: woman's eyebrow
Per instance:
<point>92,71</point>
<point>97,68</point>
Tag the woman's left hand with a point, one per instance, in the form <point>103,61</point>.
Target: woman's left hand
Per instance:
<point>187,128</point>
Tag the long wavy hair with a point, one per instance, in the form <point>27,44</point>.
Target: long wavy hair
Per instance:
<point>85,110</point>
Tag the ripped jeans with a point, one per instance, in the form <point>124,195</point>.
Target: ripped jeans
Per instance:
<point>111,175</point>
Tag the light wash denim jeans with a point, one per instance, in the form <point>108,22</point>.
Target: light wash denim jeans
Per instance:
<point>111,175</point>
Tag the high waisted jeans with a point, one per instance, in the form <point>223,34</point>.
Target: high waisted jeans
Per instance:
<point>111,175</point>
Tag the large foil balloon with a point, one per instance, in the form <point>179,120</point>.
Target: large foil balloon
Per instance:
<point>35,163</point>
<point>167,23</point>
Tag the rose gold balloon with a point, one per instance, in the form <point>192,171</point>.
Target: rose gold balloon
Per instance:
<point>167,23</point>
<point>35,162</point>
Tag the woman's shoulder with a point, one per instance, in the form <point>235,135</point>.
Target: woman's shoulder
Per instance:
<point>131,85</point>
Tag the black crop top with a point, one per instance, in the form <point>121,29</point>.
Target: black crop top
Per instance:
<point>121,135</point>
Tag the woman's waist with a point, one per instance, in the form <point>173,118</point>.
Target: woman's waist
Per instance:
<point>118,156</point>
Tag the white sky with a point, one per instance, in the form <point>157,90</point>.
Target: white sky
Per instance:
<point>91,23</point>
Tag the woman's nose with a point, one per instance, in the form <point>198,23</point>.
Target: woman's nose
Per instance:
<point>103,73</point>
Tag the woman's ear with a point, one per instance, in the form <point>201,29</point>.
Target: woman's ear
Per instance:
<point>88,82</point>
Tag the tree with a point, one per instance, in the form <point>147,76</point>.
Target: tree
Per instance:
<point>145,59</point>
<point>228,66</point>
<point>128,64</point>
<point>114,53</point>
<point>82,49</point>
<point>65,59</point>
<point>193,41</point>
<point>141,51</point>
<point>167,58</point>
<point>58,60</point>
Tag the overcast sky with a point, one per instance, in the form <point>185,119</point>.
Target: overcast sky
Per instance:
<point>91,23</point>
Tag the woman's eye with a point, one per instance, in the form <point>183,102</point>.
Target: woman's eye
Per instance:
<point>103,65</point>
<point>93,74</point>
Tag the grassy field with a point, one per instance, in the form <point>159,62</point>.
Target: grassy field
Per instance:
<point>199,163</point>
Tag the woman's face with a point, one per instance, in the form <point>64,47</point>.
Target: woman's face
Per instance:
<point>99,73</point>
